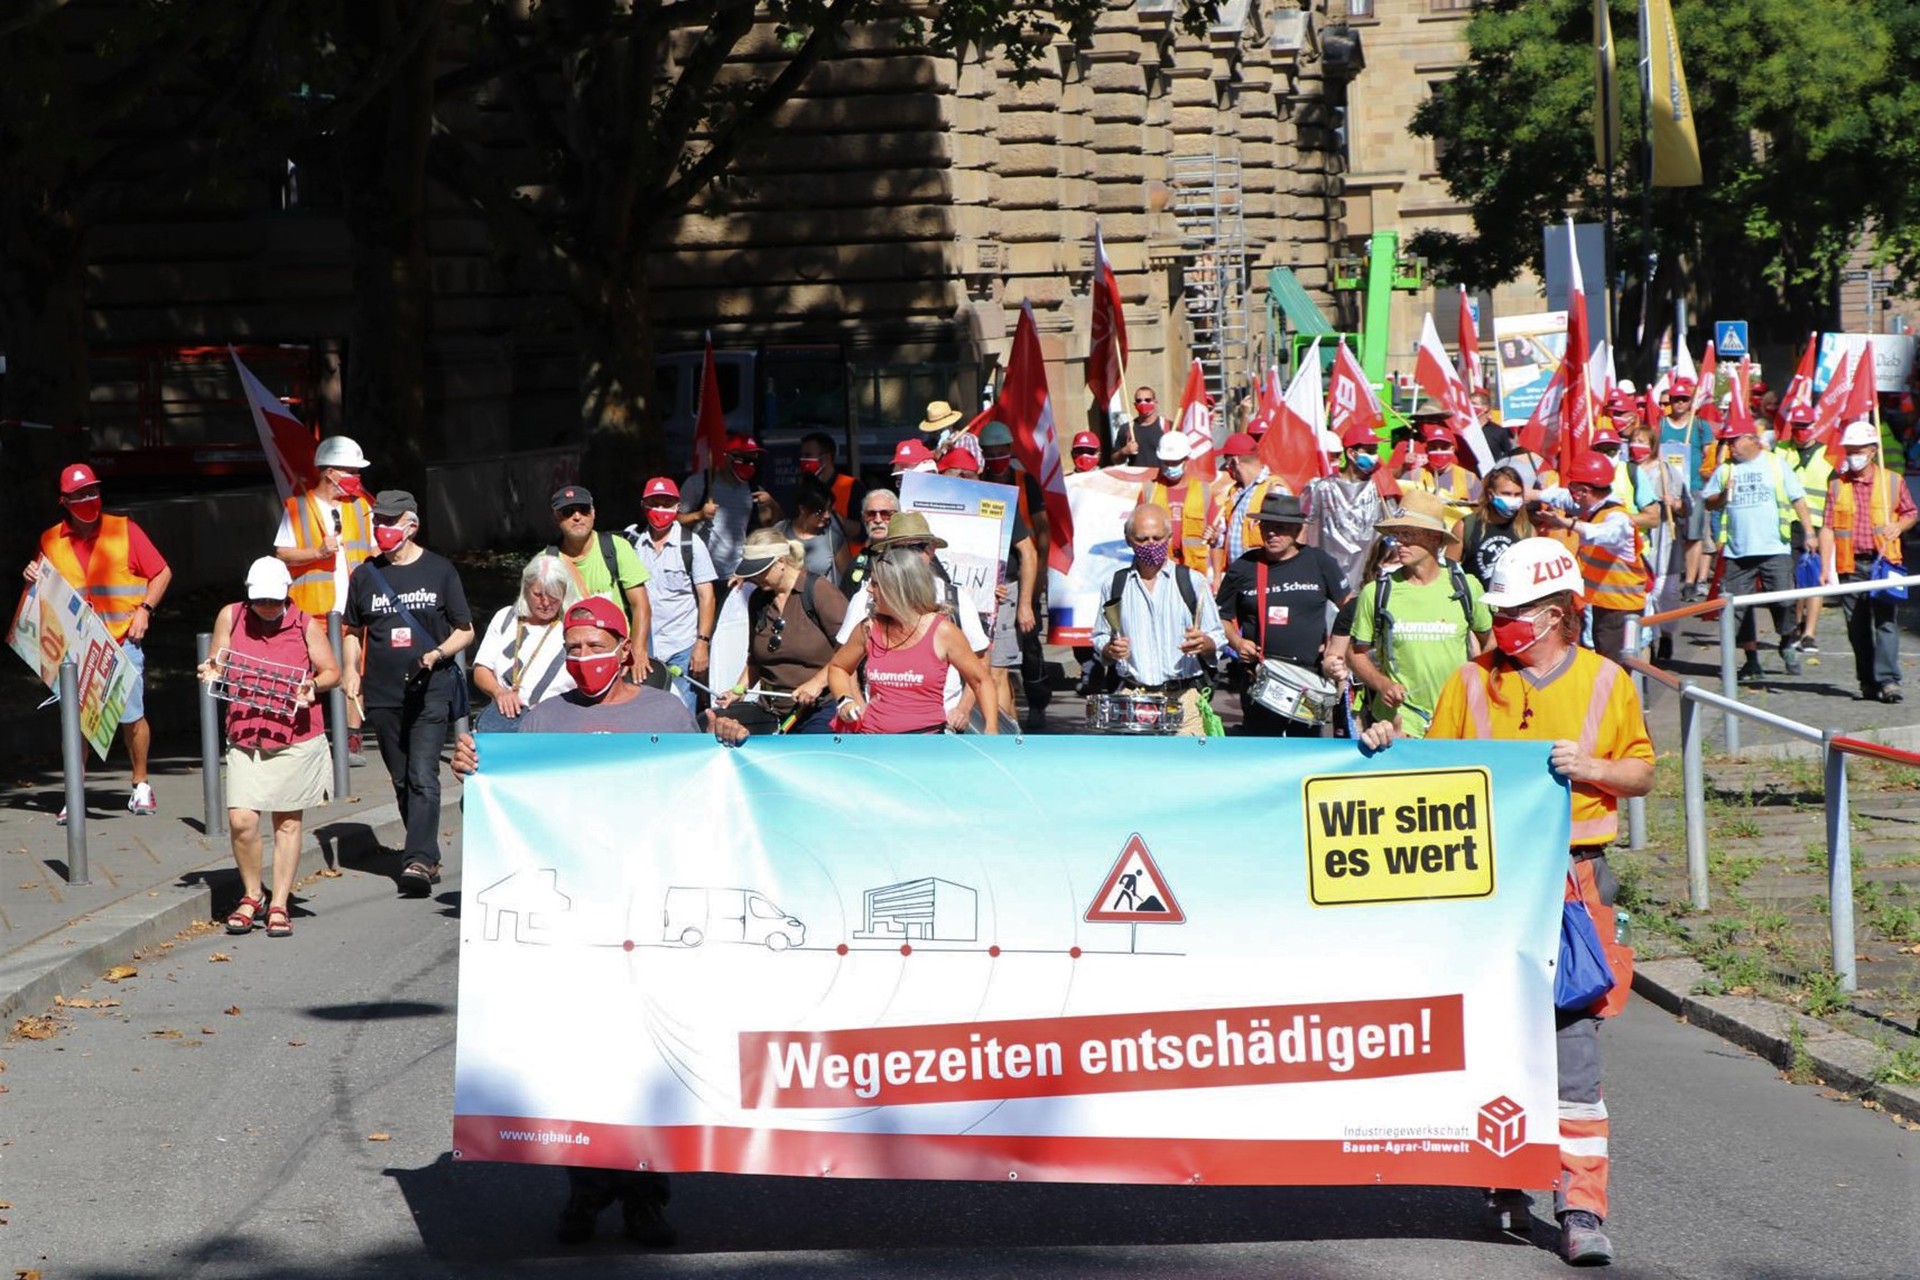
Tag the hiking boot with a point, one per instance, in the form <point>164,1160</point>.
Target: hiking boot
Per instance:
<point>580,1215</point>
<point>1582,1242</point>
<point>1790,657</point>
<point>142,801</point>
<point>1509,1212</point>
<point>644,1219</point>
<point>1750,672</point>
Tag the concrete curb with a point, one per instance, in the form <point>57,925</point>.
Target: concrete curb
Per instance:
<point>62,962</point>
<point>1844,1061</point>
<point>1904,736</point>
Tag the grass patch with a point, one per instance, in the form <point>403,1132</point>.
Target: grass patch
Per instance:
<point>1800,1068</point>
<point>1823,994</point>
<point>1897,1067</point>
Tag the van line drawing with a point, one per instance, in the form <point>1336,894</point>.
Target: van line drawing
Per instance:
<point>925,910</point>
<point>692,915</point>
<point>532,897</point>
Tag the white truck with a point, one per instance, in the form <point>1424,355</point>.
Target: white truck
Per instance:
<point>692,916</point>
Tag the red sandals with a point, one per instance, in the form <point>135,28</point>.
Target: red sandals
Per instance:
<point>246,916</point>
<point>278,925</point>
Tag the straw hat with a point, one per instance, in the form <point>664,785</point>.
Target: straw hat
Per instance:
<point>940,416</point>
<point>1420,510</point>
<point>907,526</point>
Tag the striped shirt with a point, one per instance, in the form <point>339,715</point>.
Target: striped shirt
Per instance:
<point>1155,624</point>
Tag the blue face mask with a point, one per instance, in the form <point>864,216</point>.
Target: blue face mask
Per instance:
<point>1364,462</point>
<point>1504,505</point>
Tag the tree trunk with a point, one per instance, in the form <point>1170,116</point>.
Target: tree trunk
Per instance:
<point>386,213</point>
<point>43,333</point>
<point>622,424</point>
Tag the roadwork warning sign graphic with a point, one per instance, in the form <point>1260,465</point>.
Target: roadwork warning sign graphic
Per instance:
<point>1135,892</point>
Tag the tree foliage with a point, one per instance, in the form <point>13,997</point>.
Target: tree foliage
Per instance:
<point>1807,115</point>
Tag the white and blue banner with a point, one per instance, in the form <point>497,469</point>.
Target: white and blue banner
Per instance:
<point>1217,961</point>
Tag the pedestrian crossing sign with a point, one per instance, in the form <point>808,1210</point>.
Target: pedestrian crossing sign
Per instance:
<point>1730,338</point>
<point>1135,892</point>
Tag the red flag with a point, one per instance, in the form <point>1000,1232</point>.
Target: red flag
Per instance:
<point>1196,423</point>
<point>1290,449</point>
<point>1107,346</point>
<point>287,443</point>
<point>1543,432</point>
<point>1704,403</point>
<point>1576,411</point>
<point>1799,392</point>
<point>1829,415</point>
<point>1440,380</point>
<point>1350,398</point>
<point>1863,397</point>
<point>1470,372</point>
<point>1270,400</point>
<point>1026,406</point>
<point>709,421</point>
<point>1739,411</point>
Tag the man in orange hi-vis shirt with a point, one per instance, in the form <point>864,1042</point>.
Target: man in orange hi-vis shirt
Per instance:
<point>1537,683</point>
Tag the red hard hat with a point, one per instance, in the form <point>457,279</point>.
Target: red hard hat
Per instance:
<point>1680,388</point>
<point>1590,469</point>
<point>1604,434</point>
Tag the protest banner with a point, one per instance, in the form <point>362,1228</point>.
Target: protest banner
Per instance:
<point>1527,353</point>
<point>52,621</point>
<point>1299,965</point>
<point>1892,358</point>
<point>976,519</point>
<point>1101,501</point>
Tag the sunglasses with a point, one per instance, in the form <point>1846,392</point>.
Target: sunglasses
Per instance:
<point>1144,400</point>
<point>568,513</point>
<point>778,625</point>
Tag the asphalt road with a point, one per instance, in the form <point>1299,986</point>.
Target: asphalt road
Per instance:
<point>219,1122</point>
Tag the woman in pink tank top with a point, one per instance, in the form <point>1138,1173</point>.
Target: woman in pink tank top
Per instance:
<point>269,663</point>
<point>908,645</point>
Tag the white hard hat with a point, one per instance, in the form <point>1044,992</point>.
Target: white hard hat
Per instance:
<point>1627,388</point>
<point>269,579</point>
<point>1173,447</point>
<point>1859,434</point>
<point>1532,568</point>
<point>1330,443</point>
<point>340,451</point>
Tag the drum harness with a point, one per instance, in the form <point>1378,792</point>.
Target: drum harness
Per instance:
<point>1183,578</point>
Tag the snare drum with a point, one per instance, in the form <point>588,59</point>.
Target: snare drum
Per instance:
<point>1132,713</point>
<point>1293,692</point>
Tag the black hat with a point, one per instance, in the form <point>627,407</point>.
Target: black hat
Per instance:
<point>571,495</point>
<point>392,503</point>
<point>1281,508</point>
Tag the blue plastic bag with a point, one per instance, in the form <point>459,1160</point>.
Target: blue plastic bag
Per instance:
<point>1807,570</point>
<point>1583,974</point>
<point>1884,568</point>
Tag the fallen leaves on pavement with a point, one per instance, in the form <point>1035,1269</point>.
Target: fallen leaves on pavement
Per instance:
<point>233,1011</point>
<point>121,972</point>
<point>38,1027</point>
<point>218,957</point>
<point>380,1137</point>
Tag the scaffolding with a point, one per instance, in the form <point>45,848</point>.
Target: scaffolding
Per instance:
<point>1211,217</point>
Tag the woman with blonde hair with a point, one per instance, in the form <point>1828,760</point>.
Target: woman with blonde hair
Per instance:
<point>1499,521</point>
<point>522,658</point>
<point>792,616</point>
<point>908,644</point>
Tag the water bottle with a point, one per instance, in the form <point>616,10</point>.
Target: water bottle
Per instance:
<point>1622,927</point>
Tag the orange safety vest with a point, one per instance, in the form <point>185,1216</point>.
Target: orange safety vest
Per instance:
<point>1250,535</point>
<point>1880,506</point>
<point>112,589</point>
<point>313,583</point>
<point>1190,535</point>
<point>1614,581</point>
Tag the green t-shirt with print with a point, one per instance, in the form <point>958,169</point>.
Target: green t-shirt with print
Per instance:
<point>1430,629</point>
<point>594,575</point>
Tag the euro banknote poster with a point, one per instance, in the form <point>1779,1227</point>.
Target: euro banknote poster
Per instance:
<point>1294,964</point>
<point>52,621</point>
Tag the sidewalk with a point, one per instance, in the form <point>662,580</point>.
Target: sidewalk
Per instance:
<point>152,877</point>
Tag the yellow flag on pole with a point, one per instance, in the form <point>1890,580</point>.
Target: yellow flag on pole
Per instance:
<point>1676,149</point>
<point>1606,100</point>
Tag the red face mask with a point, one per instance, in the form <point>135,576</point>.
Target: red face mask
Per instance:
<point>85,511</point>
<point>658,518</point>
<point>388,537</point>
<point>348,483</point>
<point>811,466</point>
<point>1514,636</point>
<point>1639,451</point>
<point>1438,458</point>
<point>594,674</point>
<point>1085,461</point>
<point>745,471</point>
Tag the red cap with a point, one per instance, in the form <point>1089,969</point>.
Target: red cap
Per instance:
<point>1085,440</point>
<point>661,487</point>
<point>598,611</point>
<point>958,460</point>
<point>742,444</point>
<point>1436,433</point>
<point>77,476</point>
<point>1239,445</point>
<point>1603,434</point>
<point>1681,388</point>
<point>1757,388</point>
<point>1802,412</point>
<point>1357,435</point>
<point>910,453</point>
<point>1729,431</point>
<point>1590,469</point>
<point>1620,402</point>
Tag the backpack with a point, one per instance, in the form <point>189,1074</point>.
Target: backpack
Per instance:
<point>608,554</point>
<point>1383,621</point>
<point>1182,578</point>
<point>633,534</point>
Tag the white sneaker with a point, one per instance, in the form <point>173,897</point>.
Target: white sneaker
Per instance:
<point>61,821</point>
<point>142,801</point>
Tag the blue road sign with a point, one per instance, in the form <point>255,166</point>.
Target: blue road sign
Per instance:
<point>1730,338</point>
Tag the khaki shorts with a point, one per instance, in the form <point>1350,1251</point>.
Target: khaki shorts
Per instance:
<point>284,780</point>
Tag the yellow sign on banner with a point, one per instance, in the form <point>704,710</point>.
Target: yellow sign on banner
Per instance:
<point>1399,837</point>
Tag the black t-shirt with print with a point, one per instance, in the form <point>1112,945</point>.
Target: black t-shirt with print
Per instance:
<point>430,588</point>
<point>1298,592</point>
